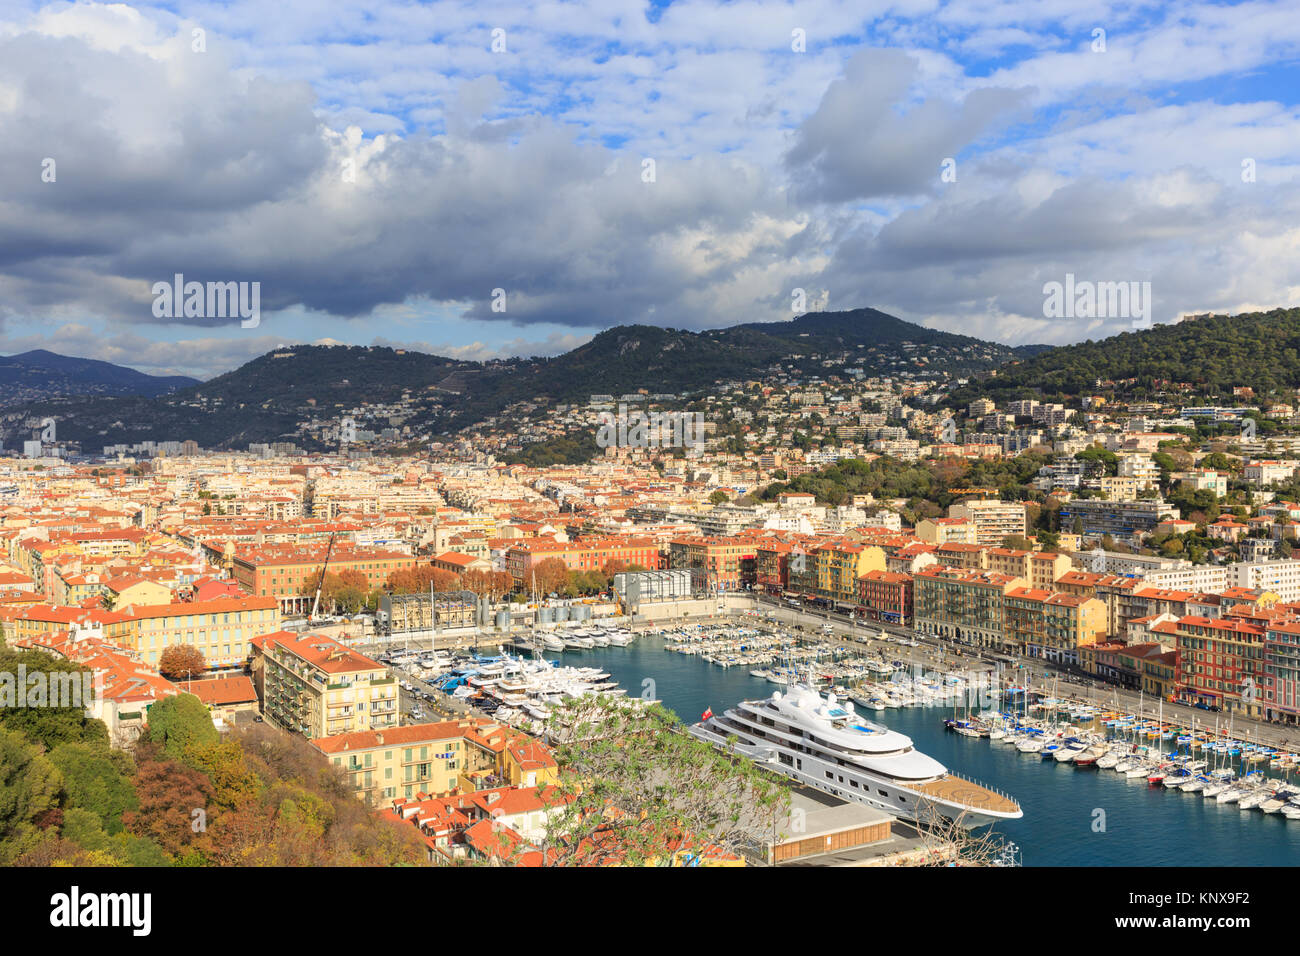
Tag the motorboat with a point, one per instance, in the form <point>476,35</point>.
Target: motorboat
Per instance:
<point>850,757</point>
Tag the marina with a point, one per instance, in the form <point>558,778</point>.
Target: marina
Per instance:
<point>1138,824</point>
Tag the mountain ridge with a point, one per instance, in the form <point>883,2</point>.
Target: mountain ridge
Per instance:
<point>40,374</point>
<point>297,393</point>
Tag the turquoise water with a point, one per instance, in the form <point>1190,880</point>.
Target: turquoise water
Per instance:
<point>1143,826</point>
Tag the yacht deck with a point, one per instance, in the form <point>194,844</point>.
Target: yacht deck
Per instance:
<point>957,790</point>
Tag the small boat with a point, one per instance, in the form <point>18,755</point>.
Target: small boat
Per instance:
<point>1088,759</point>
<point>1253,799</point>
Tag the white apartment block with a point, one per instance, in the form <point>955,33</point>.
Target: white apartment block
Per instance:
<point>1141,467</point>
<point>1142,566</point>
<point>1280,577</point>
<point>993,519</point>
<point>1214,578</point>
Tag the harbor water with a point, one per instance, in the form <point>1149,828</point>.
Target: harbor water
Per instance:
<point>1073,817</point>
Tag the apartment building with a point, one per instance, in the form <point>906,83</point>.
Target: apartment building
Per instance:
<point>1263,473</point>
<point>1041,569</point>
<point>313,685</point>
<point>1221,662</point>
<point>391,762</point>
<point>946,531</point>
<point>716,563</point>
<point>285,572</point>
<point>886,596</point>
<point>1203,480</point>
<point>223,629</point>
<point>1118,487</point>
<point>1140,468</point>
<point>1119,519</point>
<point>973,557</point>
<point>961,605</point>
<point>30,621</point>
<point>839,566</point>
<point>1281,680</point>
<point>772,566</point>
<point>454,756</point>
<point>1051,625</point>
<point>1280,577</point>
<point>1122,562</point>
<point>992,520</point>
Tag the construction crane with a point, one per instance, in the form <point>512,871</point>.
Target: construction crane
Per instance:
<point>315,605</point>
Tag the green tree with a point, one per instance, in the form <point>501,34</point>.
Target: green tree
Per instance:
<point>180,724</point>
<point>234,784</point>
<point>97,780</point>
<point>632,785</point>
<point>50,726</point>
<point>29,784</point>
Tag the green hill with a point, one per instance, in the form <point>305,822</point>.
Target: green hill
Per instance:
<point>1213,354</point>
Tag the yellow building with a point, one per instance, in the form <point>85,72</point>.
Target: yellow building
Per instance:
<point>37,619</point>
<point>438,758</point>
<point>963,605</point>
<point>1052,625</point>
<point>127,590</point>
<point>222,629</point>
<point>72,588</point>
<point>1042,569</point>
<point>946,531</point>
<point>313,685</point>
<point>839,564</point>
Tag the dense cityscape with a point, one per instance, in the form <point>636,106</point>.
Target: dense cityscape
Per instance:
<point>442,442</point>
<point>1124,545</point>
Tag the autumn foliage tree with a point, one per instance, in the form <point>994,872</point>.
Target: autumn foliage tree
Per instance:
<point>488,584</point>
<point>170,793</point>
<point>421,578</point>
<point>549,575</point>
<point>181,662</point>
<point>349,590</point>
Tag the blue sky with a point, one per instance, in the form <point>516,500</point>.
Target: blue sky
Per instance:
<point>380,170</point>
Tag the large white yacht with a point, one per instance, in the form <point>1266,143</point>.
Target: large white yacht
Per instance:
<point>824,743</point>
